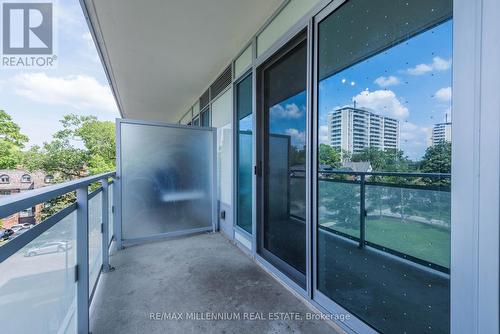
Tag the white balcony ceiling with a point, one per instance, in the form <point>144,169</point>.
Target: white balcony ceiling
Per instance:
<point>161,55</point>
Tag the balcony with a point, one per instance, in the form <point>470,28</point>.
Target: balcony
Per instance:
<point>225,203</point>
<point>69,263</point>
<point>67,274</point>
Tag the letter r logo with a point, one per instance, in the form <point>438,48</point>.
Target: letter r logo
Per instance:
<point>27,28</point>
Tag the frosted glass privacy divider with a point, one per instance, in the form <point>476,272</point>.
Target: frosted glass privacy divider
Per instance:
<point>95,239</point>
<point>166,178</point>
<point>37,283</point>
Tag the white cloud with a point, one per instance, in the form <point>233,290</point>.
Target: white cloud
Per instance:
<point>438,64</point>
<point>298,137</point>
<point>289,111</point>
<point>79,92</point>
<point>387,81</point>
<point>420,69</point>
<point>323,134</point>
<point>443,94</point>
<point>383,102</point>
<point>441,64</point>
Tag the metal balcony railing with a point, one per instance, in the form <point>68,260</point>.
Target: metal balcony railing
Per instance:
<point>58,260</point>
<point>406,215</point>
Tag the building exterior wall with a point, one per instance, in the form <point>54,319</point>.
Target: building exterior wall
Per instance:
<point>16,184</point>
<point>440,133</point>
<point>353,129</point>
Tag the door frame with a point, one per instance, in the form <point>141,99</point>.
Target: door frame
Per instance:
<point>117,195</point>
<point>287,46</point>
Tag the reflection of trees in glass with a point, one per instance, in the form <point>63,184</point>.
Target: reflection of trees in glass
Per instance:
<point>437,159</point>
<point>409,204</point>
<point>339,203</point>
<point>389,160</point>
<point>329,156</point>
<point>297,156</point>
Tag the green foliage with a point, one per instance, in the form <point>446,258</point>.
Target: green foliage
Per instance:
<point>58,158</point>
<point>297,156</point>
<point>64,156</point>
<point>437,159</point>
<point>390,160</point>
<point>11,142</point>
<point>84,146</point>
<point>98,138</point>
<point>329,156</point>
<point>57,204</point>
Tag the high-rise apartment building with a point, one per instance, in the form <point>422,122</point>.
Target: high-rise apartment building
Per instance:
<point>353,129</point>
<point>440,133</point>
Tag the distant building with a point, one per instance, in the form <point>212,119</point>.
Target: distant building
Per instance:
<point>16,181</point>
<point>354,129</point>
<point>440,133</point>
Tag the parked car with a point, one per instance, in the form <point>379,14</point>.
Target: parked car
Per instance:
<point>18,227</point>
<point>47,248</point>
<point>5,234</point>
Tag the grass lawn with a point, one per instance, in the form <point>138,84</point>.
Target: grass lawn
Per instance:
<point>423,241</point>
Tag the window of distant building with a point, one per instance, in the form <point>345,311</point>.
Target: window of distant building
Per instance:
<point>48,179</point>
<point>4,179</point>
<point>26,178</point>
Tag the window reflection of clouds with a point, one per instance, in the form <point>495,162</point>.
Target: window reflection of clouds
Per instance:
<point>410,81</point>
<point>289,118</point>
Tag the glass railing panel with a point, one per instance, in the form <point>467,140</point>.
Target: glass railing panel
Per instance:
<point>414,222</point>
<point>338,209</point>
<point>95,239</point>
<point>37,283</point>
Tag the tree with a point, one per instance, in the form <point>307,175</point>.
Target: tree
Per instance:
<point>11,142</point>
<point>63,156</point>
<point>437,159</point>
<point>98,138</point>
<point>84,146</point>
<point>389,160</point>
<point>329,156</point>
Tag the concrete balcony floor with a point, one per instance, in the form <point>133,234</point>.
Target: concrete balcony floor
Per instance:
<point>201,273</point>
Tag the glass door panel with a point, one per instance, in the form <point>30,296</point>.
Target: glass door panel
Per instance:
<point>244,155</point>
<point>283,226</point>
<point>384,105</point>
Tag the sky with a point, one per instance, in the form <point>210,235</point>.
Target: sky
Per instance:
<point>410,82</point>
<point>37,99</point>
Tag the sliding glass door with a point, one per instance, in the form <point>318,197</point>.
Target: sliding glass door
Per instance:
<point>282,160</point>
<point>244,153</point>
<point>382,201</point>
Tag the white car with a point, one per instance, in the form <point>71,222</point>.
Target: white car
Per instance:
<point>47,248</point>
<point>18,227</point>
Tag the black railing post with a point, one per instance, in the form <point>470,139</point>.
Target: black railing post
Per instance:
<point>362,212</point>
